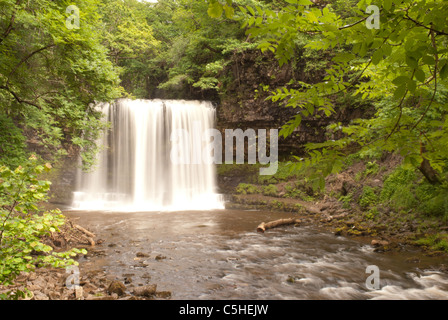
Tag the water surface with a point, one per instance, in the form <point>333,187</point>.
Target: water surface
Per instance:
<point>219,255</point>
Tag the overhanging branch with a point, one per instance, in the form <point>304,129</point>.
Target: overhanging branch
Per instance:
<point>18,99</point>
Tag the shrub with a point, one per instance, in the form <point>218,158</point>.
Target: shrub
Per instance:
<point>434,242</point>
<point>296,193</point>
<point>23,225</point>
<point>246,188</point>
<point>398,180</point>
<point>368,197</point>
<point>284,173</point>
<point>346,200</point>
<point>372,168</point>
<point>270,190</point>
<point>433,199</point>
<point>12,143</point>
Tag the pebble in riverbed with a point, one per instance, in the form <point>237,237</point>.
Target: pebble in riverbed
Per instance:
<point>50,284</point>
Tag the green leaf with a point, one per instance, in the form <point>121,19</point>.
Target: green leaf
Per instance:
<point>229,11</point>
<point>400,80</point>
<point>387,4</point>
<point>444,72</point>
<point>429,60</point>
<point>377,56</point>
<point>411,85</point>
<point>215,9</point>
<point>344,57</point>
<point>400,91</point>
<point>411,62</point>
<point>420,75</point>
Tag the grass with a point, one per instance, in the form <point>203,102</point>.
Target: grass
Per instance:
<point>437,242</point>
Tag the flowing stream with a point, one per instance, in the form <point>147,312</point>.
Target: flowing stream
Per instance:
<point>217,254</point>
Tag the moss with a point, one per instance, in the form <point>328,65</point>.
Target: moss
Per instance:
<point>354,232</point>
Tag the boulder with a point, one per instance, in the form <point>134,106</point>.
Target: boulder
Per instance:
<point>116,287</point>
<point>379,243</point>
<point>145,291</point>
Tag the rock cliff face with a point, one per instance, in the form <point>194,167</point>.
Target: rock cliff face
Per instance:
<point>244,103</point>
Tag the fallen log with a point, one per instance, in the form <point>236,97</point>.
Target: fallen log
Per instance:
<point>89,236</point>
<point>262,227</point>
<point>87,232</point>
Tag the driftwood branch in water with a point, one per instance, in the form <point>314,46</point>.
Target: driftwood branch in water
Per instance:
<point>87,232</point>
<point>281,222</point>
<point>88,235</point>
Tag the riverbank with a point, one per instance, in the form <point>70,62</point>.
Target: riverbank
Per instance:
<point>354,203</point>
<point>81,282</point>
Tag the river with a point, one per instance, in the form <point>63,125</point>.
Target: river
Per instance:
<point>218,254</point>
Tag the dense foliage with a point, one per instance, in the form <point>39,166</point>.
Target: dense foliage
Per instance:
<point>51,75</point>
<point>401,67</point>
<point>23,224</point>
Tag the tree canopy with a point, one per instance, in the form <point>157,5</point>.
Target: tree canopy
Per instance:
<point>51,76</point>
<point>400,66</point>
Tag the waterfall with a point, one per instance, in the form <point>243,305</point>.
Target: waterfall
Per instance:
<point>152,159</point>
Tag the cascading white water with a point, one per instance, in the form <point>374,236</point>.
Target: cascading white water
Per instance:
<point>152,159</point>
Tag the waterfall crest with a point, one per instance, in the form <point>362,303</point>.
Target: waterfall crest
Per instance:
<point>139,168</point>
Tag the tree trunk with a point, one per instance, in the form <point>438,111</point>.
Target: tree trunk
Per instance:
<point>281,222</point>
<point>428,171</point>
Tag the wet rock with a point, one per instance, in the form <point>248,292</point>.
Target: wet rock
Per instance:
<point>129,298</point>
<point>160,257</point>
<point>142,255</point>
<point>163,294</point>
<point>127,280</point>
<point>379,243</point>
<point>32,276</point>
<point>443,268</point>
<point>38,295</point>
<point>145,291</point>
<point>54,295</point>
<point>32,287</point>
<point>92,297</point>
<point>413,260</point>
<point>117,287</point>
<point>89,287</point>
<point>79,293</point>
